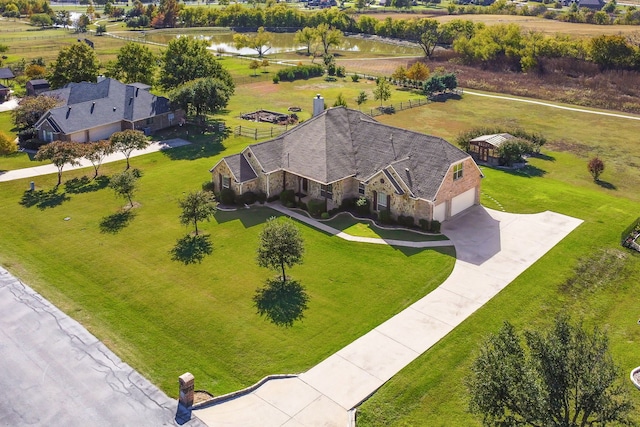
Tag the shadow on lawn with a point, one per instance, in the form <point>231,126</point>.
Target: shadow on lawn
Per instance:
<point>607,185</point>
<point>248,217</point>
<point>281,302</point>
<point>86,185</point>
<point>112,224</point>
<point>43,199</point>
<point>191,249</point>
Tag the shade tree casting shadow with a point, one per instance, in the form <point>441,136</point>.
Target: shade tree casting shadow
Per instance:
<point>85,184</point>
<point>191,249</point>
<point>281,302</point>
<point>43,199</point>
<point>112,224</point>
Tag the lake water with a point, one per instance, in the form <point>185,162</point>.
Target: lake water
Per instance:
<point>283,42</point>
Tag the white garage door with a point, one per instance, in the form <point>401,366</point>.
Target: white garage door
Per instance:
<point>439,212</point>
<point>463,201</point>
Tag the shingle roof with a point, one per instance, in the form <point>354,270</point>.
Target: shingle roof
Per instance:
<point>88,105</point>
<point>341,142</point>
<point>39,83</point>
<point>240,168</point>
<point>496,139</point>
<point>6,73</point>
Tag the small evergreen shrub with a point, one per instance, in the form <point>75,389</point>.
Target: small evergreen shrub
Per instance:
<point>273,198</point>
<point>385,217</point>
<point>208,186</point>
<point>355,78</point>
<point>227,196</point>
<point>287,197</point>
<point>435,226</point>
<point>324,215</point>
<point>276,79</point>
<point>424,225</point>
<point>317,206</point>
<point>249,197</point>
<point>302,205</point>
<point>261,197</point>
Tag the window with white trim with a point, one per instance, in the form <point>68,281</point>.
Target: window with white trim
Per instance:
<point>382,201</point>
<point>457,171</point>
<point>226,182</point>
<point>361,188</point>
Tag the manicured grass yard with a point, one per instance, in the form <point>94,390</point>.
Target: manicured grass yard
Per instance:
<point>165,318</point>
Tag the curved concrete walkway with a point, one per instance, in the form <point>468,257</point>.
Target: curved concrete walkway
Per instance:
<point>335,232</point>
<point>84,163</point>
<point>492,248</point>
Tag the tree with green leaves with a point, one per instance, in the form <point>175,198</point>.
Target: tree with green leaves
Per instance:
<point>260,41</point>
<point>76,63</point>
<point>362,98</point>
<point>101,29</point>
<point>135,63</point>
<point>188,59</point>
<point>60,153</point>
<point>125,184</point>
<point>282,300</point>
<point>428,34</point>
<point>280,246</point>
<point>82,23</point>
<point>340,101</point>
<point>382,91</point>
<point>564,377</point>
<point>202,96</point>
<point>31,108</point>
<point>41,19</point>
<point>7,145</point>
<point>418,71</point>
<point>197,206</point>
<point>128,140</point>
<point>306,37</point>
<point>328,36</point>
<point>96,152</point>
<point>254,65</point>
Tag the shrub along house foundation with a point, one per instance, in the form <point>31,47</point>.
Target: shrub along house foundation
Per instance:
<point>342,154</point>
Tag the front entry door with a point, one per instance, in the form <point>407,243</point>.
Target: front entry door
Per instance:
<point>484,154</point>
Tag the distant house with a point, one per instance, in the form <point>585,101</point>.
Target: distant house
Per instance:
<point>590,4</point>
<point>485,148</point>
<point>37,86</point>
<point>4,93</point>
<point>94,111</point>
<point>341,153</point>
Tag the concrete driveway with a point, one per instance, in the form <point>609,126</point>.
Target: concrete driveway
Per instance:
<point>55,373</point>
<point>492,248</point>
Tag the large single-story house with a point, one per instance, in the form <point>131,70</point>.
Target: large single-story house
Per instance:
<point>485,148</point>
<point>94,111</point>
<point>342,153</point>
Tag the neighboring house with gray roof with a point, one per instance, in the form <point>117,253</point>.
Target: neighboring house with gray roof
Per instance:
<point>37,86</point>
<point>485,148</point>
<point>343,153</point>
<point>94,111</point>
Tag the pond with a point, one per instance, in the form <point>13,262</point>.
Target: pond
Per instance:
<point>283,42</point>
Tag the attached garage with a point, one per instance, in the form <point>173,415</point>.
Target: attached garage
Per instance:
<point>463,201</point>
<point>440,212</point>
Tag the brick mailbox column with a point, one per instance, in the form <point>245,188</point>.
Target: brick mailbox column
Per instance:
<point>187,382</point>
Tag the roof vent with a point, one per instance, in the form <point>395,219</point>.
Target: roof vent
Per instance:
<point>114,108</point>
<point>68,112</point>
<point>130,100</point>
<point>93,105</point>
<point>137,89</point>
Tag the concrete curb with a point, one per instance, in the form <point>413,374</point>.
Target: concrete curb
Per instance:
<point>244,391</point>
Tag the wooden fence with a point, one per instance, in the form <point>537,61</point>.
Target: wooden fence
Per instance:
<point>259,133</point>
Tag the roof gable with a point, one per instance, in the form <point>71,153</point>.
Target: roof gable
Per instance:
<point>88,105</point>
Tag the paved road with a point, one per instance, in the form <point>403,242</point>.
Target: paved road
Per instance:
<point>50,168</point>
<point>493,248</point>
<point>53,372</point>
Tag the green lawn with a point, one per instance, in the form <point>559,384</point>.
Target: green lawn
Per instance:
<point>365,228</point>
<point>165,318</point>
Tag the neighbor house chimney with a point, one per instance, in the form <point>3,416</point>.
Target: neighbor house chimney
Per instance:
<point>318,105</point>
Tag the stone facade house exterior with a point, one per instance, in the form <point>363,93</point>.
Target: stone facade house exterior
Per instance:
<point>94,111</point>
<point>343,153</point>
